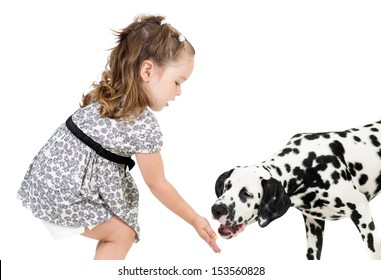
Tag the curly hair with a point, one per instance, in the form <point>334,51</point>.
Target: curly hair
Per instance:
<point>120,92</point>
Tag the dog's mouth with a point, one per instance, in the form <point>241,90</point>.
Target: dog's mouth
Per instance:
<point>230,231</point>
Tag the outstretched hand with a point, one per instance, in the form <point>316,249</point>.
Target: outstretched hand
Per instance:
<point>203,228</point>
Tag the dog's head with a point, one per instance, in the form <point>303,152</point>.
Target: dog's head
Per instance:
<point>245,195</point>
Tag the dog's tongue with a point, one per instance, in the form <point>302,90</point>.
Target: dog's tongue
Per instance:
<point>230,231</point>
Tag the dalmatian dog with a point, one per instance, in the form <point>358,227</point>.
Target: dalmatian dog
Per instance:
<point>326,176</point>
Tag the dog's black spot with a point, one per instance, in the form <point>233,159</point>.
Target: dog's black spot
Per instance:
<point>374,140</point>
<point>231,212</point>
<point>352,169</point>
<point>379,153</point>
<point>312,178</point>
<point>291,186</point>
<point>279,171</point>
<point>312,136</point>
<point>370,242</point>
<point>374,129</point>
<point>355,216</point>
<point>342,134</point>
<point>310,254</point>
<point>323,162</point>
<point>338,150</point>
<point>351,206</point>
<point>266,168</point>
<point>228,185</point>
<point>371,226</point>
<point>346,175</point>
<point>358,166</point>
<point>307,199</point>
<point>240,219</point>
<point>335,217</point>
<point>320,203</point>
<point>368,125</point>
<point>335,176</point>
<point>363,179</point>
<point>284,152</point>
<point>288,167</point>
<point>307,162</point>
<point>339,203</point>
<point>298,172</point>
<point>357,139</point>
<point>298,142</point>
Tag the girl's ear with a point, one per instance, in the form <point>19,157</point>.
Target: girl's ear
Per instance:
<point>146,70</point>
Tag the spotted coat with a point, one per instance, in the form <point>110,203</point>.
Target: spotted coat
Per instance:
<point>327,176</point>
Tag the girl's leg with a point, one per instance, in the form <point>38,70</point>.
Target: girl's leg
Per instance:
<point>115,239</point>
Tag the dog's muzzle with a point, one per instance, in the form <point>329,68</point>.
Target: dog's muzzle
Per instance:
<point>226,231</point>
<point>219,210</point>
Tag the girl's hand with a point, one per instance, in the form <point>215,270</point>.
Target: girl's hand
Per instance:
<point>152,168</point>
<point>203,228</point>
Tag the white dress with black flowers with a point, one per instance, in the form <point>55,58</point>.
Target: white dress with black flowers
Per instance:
<point>69,184</point>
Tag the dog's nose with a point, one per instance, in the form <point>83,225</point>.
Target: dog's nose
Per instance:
<point>219,210</point>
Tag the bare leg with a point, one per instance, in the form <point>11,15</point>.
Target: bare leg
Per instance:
<point>115,239</point>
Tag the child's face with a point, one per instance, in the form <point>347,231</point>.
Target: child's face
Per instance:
<point>164,84</point>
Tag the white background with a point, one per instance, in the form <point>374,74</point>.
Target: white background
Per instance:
<point>264,71</point>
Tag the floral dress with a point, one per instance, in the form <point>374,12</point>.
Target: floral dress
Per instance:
<point>69,184</point>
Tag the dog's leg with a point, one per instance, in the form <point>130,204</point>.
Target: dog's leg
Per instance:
<point>314,231</point>
<point>362,218</point>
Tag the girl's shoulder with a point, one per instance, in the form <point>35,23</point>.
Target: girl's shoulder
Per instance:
<point>89,118</point>
<point>147,116</point>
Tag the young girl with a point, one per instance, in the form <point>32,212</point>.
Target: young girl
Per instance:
<point>80,181</point>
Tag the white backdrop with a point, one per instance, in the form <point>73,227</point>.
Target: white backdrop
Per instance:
<point>264,71</point>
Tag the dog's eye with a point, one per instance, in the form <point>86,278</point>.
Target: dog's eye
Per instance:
<point>244,194</point>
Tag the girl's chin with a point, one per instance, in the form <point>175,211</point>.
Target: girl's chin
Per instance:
<point>158,108</point>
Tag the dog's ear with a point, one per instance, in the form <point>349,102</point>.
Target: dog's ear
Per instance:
<point>275,202</point>
<point>219,188</point>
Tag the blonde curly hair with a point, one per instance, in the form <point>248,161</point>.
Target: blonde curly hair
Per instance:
<point>120,92</point>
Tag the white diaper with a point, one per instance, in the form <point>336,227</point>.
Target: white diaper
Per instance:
<point>59,232</point>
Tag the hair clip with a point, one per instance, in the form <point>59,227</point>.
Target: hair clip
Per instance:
<point>139,17</point>
<point>164,21</point>
<point>181,38</point>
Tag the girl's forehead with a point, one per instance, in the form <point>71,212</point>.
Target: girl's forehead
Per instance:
<point>182,59</point>
<point>183,65</point>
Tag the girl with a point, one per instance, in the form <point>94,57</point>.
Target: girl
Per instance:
<point>79,182</point>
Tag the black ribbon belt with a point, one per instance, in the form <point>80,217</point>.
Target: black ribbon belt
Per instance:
<point>127,161</point>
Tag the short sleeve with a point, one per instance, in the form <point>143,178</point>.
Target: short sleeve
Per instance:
<point>146,136</point>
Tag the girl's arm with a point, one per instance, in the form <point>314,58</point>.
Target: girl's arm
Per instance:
<point>152,169</point>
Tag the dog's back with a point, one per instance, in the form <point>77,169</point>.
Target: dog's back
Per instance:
<point>329,157</point>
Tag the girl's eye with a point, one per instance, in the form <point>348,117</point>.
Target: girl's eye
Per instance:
<point>177,84</point>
